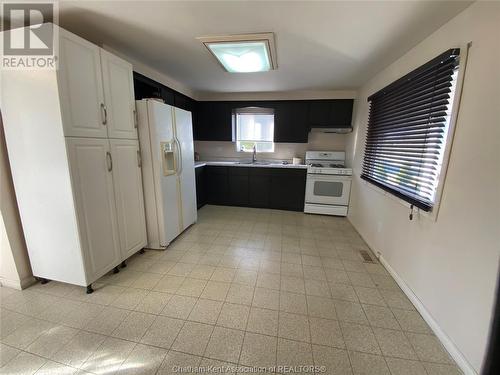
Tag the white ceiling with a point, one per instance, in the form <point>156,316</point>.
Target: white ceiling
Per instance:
<point>327,45</point>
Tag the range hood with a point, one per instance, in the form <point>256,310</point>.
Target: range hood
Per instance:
<point>337,130</point>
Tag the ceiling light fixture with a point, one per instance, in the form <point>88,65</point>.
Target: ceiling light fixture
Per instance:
<point>243,53</point>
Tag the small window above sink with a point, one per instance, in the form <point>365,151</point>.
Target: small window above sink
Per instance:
<point>254,127</point>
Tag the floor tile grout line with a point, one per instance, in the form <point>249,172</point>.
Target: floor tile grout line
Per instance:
<point>102,344</point>
<point>37,355</point>
<point>310,333</point>
<point>345,342</point>
<point>246,325</point>
<point>156,290</point>
<point>149,291</point>
<point>225,301</point>
<point>167,350</point>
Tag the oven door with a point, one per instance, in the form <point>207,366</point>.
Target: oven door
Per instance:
<point>328,189</point>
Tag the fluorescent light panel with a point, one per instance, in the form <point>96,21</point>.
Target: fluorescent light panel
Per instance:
<point>243,53</point>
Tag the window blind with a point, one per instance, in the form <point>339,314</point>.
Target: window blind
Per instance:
<point>407,127</point>
<point>254,128</point>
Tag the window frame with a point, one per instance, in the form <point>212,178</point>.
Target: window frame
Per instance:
<point>255,111</point>
<point>454,113</point>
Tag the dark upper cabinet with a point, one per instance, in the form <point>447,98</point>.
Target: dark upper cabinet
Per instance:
<point>320,113</point>
<point>202,127</point>
<point>330,113</point>
<point>221,121</point>
<point>290,121</point>
<point>168,96</point>
<point>342,112</point>
<point>145,87</point>
<point>213,120</point>
<point>184,102</point>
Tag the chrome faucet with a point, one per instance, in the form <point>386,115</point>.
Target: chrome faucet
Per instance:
<point>254,155</point>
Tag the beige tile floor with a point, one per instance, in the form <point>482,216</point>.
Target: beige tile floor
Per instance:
<point>242,287</point>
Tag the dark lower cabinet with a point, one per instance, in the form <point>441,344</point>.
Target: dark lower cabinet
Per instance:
<point>201,190</point>
<point>259,185</point>
<point>288,189</point>
<point>238,186</point>
<point>277,188</point>
<point>217,184</point>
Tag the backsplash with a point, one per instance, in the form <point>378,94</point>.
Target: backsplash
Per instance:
<point>210,150</point>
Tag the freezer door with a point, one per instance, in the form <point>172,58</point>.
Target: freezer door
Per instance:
<point>184,135</point>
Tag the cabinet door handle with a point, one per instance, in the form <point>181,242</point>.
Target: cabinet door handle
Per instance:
<point>136,120</point>
<point>104,114</point>
<point>109,161</point>
<point>139,159</point>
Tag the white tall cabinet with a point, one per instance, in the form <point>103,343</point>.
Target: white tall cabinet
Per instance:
<point>74,153</point>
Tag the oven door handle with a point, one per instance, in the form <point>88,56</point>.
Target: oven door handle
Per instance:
<point>328,177</point>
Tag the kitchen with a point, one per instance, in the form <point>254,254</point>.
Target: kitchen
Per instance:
<point>184,194</point>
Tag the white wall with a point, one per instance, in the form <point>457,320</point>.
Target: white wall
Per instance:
<point>8,270</point>
<point>450,264</point>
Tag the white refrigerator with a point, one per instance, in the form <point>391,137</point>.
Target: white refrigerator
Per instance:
<point>167,151</point>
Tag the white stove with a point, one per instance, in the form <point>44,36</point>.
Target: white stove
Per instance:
<point>328,183</point>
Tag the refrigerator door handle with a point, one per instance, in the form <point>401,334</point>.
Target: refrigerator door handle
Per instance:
<point>179,156</point>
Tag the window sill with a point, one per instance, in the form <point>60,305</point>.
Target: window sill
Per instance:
<point>258,152</point>
<point>417,212</point>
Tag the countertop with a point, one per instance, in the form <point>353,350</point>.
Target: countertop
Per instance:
<point>245,164</point>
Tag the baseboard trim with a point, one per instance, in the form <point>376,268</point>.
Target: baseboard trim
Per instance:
<point>17,284</point>
<point>452,349</point>
<point>14,284</point>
